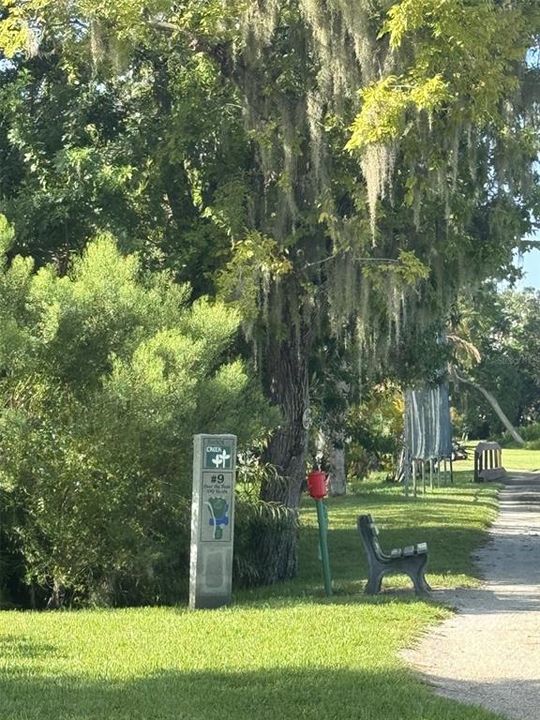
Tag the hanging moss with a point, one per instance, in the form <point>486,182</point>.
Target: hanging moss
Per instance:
<point>378,167</point>
<point>300,65</point>
<point>293,126</point>
<point>340,36</point>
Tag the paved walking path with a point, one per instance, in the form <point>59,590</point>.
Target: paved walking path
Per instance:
<point>489,653</point>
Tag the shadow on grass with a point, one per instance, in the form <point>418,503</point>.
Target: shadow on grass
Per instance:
<point>344,593</point>
<point>423,508</point>
<point>15,646</point>
<point>437,497</point>
<point>318,693</point>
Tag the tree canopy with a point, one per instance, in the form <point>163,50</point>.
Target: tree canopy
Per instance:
<point>336,170</point>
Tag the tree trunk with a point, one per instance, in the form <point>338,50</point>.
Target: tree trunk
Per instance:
<point>496,407</point>
<point>337,474</point>
<point>331,455</point>
<point>286,374</point>
<point>56,600</point>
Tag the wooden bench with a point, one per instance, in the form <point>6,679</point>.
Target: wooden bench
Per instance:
<point>488,462</point>
<point>410,560</point>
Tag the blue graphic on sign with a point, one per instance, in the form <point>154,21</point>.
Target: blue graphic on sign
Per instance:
<point>219,515</point>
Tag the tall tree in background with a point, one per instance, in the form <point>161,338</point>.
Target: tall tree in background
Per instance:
<point>503,327</point>
<point>314,241</point>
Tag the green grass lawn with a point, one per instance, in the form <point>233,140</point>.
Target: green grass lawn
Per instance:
<point>521,459</point>
<point>282,652</point>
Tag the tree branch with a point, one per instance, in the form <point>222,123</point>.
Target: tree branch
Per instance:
<point>164,26</point>
<point>494,404</point>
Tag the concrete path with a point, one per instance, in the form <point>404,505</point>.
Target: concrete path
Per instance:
<point>489,653</point>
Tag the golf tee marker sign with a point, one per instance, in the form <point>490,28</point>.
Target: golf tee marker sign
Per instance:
<point>212,520</point>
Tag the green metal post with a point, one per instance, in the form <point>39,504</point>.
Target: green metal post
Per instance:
<point>322,517</point>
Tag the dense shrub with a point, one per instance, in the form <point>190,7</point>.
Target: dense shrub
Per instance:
<point>529,433</point>
<point>254,561</point>
<point>105,374</point>
<point>374,431</point>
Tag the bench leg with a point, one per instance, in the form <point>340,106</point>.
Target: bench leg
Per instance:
<point>420,583</point>
<point>414,567</point>
<point>374,583</point>
<point>421,586</point>
<point>425,583</point>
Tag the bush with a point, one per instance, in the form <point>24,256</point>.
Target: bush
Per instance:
<point>530,433</point>
<point>255,519</point>
<point>375,431</point>
<point>105,376</point>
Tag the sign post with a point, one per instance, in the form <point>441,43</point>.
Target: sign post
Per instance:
<point>212,520</point>
<point>317,483</point>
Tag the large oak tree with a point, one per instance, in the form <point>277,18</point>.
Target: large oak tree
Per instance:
<point>347,165</point>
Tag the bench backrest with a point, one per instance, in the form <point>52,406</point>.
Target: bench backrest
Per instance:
<point>487,461</point>
<point>370,536</point>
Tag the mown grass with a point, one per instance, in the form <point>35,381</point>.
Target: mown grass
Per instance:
<point>521,459</point>
<point>282,652</point>
<point>290,660</point>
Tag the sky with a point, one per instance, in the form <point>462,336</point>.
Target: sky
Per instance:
<point>530,263</point>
